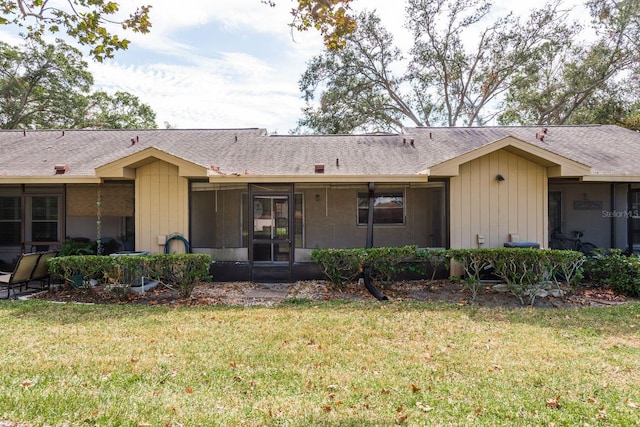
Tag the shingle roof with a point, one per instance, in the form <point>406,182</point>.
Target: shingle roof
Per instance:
<point>608,150</point>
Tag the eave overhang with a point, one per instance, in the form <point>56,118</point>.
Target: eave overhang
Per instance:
<point>320,178</point>
<point>13,180</point>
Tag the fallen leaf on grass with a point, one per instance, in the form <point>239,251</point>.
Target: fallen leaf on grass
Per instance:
<point>553,403</point>
<point>415,388</point>
<point>26,384</point>
<point>425,408</point>
<point>631,404</point>
<point>189,390</point>
<point>602,414</point>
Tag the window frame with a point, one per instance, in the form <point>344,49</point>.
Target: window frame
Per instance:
<point>378,195</point>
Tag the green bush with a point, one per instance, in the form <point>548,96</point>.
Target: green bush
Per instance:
<point>341,266</point>
<point>614,270</point>
<point>386,263</point>
<point>181,272</point>
<point>525,271</point>
<point>80,269</point>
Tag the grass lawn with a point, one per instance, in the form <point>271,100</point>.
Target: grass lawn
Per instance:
<point>303,363</point>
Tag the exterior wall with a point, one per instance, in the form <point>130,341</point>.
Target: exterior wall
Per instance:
<point>161,206</point>
<point>482,205</point>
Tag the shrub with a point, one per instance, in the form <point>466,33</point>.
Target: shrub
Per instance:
<point>525,271</point>
<point>614,270</point>
<point>474,262</point>
<point>181,272</point>
<point>80,269</point>
<point>339,265</point>
<point>386,263</point>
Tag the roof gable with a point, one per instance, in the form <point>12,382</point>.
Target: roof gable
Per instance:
<point>558,166</point>
<point>125,167</point>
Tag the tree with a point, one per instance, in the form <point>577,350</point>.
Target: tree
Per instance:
<point>330,17</point>
<point>46,86</point>
<point>588,83</point>
<point>120,111</point>
<point>360,91</point>
<point>445,82</point>
<point>86,21</point>
<point>43,86</point>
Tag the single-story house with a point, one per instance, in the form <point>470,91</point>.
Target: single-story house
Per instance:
<point>260,203</point>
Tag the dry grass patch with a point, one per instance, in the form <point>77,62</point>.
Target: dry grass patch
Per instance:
<point>318,364</point>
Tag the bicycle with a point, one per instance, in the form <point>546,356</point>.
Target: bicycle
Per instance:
<point>559,241</point>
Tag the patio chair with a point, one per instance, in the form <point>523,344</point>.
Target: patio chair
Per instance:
<point>21,274</point>
<point>41,271</point>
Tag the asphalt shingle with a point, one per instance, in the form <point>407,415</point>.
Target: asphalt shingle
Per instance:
<point>608,150</point>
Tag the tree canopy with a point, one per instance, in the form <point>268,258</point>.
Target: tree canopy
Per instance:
<point>89,22</point>
<point>467,67</point>
<point>46,86</point>
<point>331,18</point>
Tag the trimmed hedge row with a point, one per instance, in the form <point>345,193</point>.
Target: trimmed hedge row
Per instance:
<point>345,265</point>
<point>179,271</point>
<point>525,271</point>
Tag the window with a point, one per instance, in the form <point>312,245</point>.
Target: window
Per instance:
<point>388,208</point>
<point>44,224</point>
<point>10,221</point>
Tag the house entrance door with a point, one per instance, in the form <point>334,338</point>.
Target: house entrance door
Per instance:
<point>271,231</point>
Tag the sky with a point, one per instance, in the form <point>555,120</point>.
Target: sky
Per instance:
<point>225,63</point>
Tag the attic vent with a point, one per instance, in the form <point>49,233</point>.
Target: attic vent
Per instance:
<point>61,169</point>
<point>319,167</point>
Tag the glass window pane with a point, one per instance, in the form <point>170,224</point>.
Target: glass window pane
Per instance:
<point>10,234</point>
<point>44,231</point>
<point>44,208</point>
<point>388,208</point>
<point>9,208</point>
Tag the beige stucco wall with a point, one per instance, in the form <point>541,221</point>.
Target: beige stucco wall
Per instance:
<point>481,205</point>
<point>161,206</point>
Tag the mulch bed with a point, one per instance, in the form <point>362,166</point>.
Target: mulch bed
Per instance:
<point>248,293</point>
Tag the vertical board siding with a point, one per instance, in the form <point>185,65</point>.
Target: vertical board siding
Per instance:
<point>161,206</point>
<point>482,205</point>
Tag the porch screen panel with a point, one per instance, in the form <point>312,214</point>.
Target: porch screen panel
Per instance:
<point>634,218</point>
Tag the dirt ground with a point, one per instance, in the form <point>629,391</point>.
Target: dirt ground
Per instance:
<point>248,293</point>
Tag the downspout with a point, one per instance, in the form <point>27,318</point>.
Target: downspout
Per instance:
<point>366,271</point>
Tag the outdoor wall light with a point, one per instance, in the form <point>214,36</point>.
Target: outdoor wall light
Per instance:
<point>499,178</point>
<point>317,197</point>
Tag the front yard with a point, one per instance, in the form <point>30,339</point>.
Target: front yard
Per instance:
<point>306,362</point>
